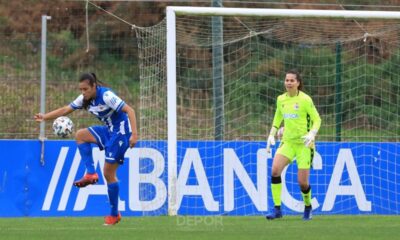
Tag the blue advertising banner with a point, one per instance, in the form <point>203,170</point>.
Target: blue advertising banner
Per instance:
<point>214,178</point>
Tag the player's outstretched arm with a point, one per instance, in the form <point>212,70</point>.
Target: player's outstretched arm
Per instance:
<point>62,111</point>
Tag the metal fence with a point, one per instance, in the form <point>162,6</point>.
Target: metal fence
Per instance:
<point>110,52</point>
<point>82,36</point>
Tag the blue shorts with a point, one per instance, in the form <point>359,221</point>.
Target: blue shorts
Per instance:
<point>114,144</point>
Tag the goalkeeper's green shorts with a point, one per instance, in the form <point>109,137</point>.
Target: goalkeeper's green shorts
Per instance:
<point>304,155</point>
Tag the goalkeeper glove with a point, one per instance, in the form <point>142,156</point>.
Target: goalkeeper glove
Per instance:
<point>309,138</point>
<point>271,139</point>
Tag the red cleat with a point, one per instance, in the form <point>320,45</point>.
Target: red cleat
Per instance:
<point>86,180</point>
<point>112,220</point>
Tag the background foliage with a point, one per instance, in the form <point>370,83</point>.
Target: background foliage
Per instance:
<point>113,55</point>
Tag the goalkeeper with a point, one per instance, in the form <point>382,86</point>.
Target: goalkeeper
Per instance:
<point>302,121</point>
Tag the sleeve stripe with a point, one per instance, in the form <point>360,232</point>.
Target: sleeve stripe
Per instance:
<point>120,106</point>
<point>74,106</point>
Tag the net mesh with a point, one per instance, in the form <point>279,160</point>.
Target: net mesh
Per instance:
<point>257,52</point>
<point>256,55</point>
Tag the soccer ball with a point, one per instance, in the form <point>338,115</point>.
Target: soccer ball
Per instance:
<point>63,127</point>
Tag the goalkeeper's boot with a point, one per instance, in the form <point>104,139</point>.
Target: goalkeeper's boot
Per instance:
<point>307,213</point>
<point>87,179</point>
<point>112,220</point>
<point>276,213</point>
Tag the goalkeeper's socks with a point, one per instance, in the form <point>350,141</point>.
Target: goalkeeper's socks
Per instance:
<point>113,192</point>
<point>86,153</point>
<point>276,188</point>
<point>307,196</point>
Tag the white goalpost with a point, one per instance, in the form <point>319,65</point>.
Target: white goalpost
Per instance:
<point>262,67</point>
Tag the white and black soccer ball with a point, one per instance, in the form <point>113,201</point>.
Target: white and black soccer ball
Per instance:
<point>63,127</point>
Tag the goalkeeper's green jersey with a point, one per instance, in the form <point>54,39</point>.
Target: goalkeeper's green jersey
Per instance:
<point>299,115</point>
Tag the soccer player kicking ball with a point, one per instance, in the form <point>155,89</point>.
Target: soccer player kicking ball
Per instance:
<point>302,121</point>
<point>116,135</point>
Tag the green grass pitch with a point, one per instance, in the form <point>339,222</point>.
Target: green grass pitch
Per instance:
<point>193,227</point>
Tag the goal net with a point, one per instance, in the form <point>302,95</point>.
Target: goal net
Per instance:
<point>223,105</point>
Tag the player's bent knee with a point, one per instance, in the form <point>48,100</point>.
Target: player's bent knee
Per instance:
<point>83,135</point>
<point>79,135</point>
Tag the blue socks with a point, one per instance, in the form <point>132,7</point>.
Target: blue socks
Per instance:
<point>85,150</point>
<point>113,192</point>
<point>86,153</point>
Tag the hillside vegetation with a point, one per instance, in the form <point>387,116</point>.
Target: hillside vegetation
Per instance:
<point>112,52</point>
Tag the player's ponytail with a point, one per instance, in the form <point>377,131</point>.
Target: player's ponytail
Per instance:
<point>97,81</point>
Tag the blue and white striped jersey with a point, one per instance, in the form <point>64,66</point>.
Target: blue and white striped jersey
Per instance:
<point>106,106</point>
